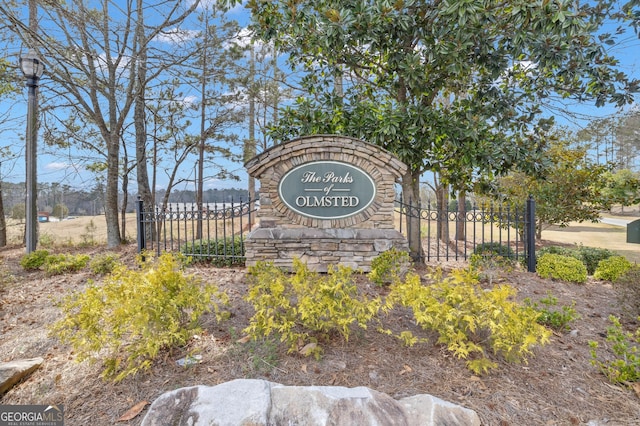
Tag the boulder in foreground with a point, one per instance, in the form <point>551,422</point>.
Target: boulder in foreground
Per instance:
<point>261,403</point>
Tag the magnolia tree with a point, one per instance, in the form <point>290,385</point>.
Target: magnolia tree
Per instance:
<point>453,87</point>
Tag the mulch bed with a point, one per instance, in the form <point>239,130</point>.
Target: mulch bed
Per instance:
<point>558,386</point>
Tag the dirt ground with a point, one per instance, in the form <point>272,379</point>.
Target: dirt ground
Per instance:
<point>558,386</point>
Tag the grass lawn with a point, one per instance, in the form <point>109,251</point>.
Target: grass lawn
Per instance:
<point>595,235</point>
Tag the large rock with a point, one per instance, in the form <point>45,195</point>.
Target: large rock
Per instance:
<point>262,403</point>
<point>14,371</point>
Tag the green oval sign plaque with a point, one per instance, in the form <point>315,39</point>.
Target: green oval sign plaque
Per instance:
<point>327,190</point>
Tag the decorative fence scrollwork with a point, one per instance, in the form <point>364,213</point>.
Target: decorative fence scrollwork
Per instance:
<point>215,232</point>
<point>453,235</point>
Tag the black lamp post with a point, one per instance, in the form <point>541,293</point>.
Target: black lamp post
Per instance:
<point>32,68</point>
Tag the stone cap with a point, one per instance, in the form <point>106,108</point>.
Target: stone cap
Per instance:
<point>308,148</point>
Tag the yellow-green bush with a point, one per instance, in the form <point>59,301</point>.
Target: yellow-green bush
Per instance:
<point>104,263</point>
<point>34,260</point>
<point>56,264</point>
<point>135,314</point>
<point>389,266</point>
<point>557,319</point>
<point>53,264</point>
<point>612,268</point>
<point>306,307</point>
<point>625,366</point>
<point>469,320</point>
<point>563,268</point>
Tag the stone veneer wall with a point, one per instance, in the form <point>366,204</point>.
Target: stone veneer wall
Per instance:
<point>283,234</point>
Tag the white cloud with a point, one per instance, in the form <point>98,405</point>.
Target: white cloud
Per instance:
<point>189,100</point>
<point>525,66</point>
<point>245,39</point>
<point>57,166</point>
<point>518,71</point>
<point>221,4</point>
<point>176,36</point>
<point>237,8</point>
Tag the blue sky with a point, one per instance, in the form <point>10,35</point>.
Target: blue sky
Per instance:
<point>59,166</point>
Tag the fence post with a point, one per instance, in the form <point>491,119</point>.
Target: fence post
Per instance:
<point>140,223</point>
<point>530,234</point>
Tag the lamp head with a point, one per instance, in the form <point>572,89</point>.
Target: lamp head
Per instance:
<point>31,65</point>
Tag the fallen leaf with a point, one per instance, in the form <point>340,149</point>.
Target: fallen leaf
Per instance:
<point>308,349</point>
<point>304,368</point>
<point>406,369</point>
<point>479,381</point>
<point>245,339</point>
<point>133,411</point>
<point>636,388</point>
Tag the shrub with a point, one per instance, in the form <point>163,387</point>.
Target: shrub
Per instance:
<point>471,321</point>
<point>305,307</point>
<point>390,266</point>
<point>88,238</point>
<point>135,314</point>
<point>563,251</point>
<point>550,317</point>
<point>611,268</point>
<point>453,205</point>
<point>34,260</point>
<point>491,258</point>
<point>60,211</point>
<point>494,248</point>
<point>563,268</point>
<point>221,252</point>
<point>19,212</point>
<point>490,264</point>
<point>46,240</point>
<point>591,256</point>
<point>104,264</point>
<point>56,264</point>
<point>625,367</point>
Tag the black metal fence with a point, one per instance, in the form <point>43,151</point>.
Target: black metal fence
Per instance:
<point>454,235</point>
<point>214,232</point>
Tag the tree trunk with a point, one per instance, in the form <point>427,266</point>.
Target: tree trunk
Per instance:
<point>460,220</point>
<point>442,198</point>
<point>203,130</point>
<point>3,223</point>
<point>411,197</point>
<point>539,230</point>
<point>250,143</point>
<point>140,122</point>
<point>111,193</point>
<point>125,200</point>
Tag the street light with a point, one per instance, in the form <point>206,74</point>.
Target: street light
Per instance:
<point>32,68</point>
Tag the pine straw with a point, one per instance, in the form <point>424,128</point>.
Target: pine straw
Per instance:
<point>558,386</point>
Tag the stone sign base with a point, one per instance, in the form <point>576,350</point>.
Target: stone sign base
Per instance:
<point>319,248</point>
<point>326,200</point>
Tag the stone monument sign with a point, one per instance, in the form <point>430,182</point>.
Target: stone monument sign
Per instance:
<point>326,199</point>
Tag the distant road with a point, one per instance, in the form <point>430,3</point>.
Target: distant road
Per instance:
<point>616,222</point>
